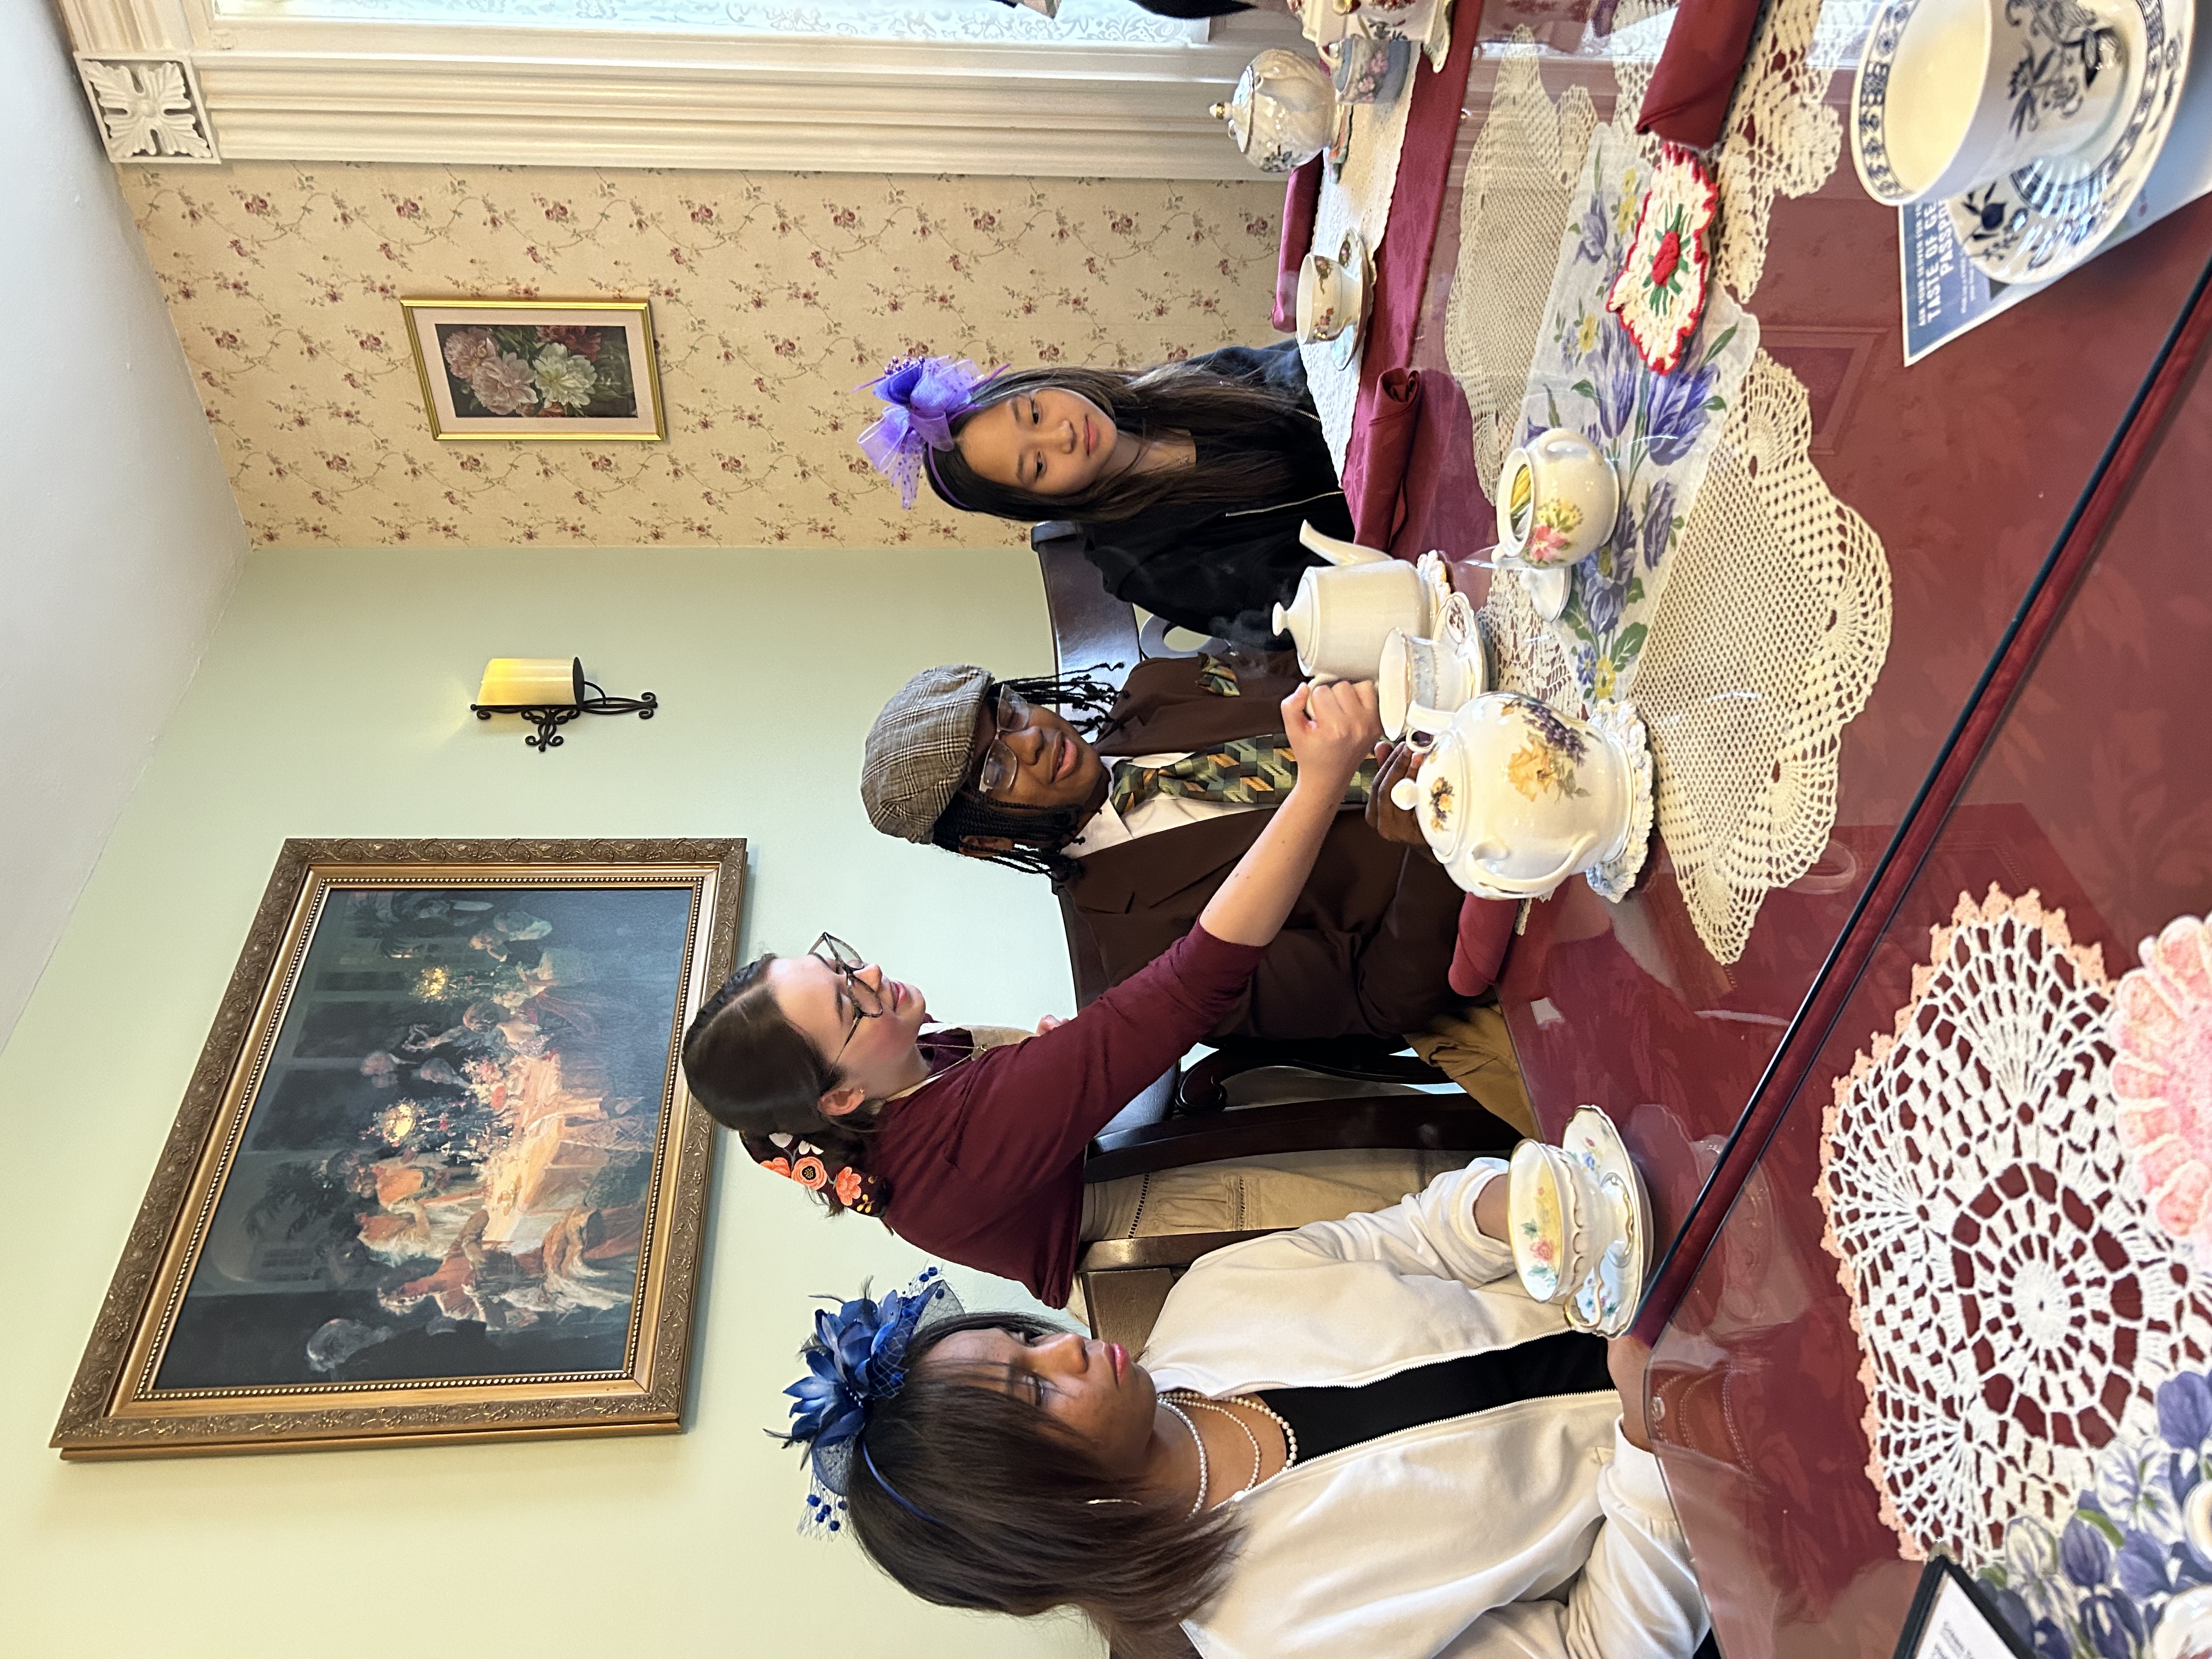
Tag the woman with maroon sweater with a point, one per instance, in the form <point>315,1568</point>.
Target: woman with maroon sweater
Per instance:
<point>970,1146</point>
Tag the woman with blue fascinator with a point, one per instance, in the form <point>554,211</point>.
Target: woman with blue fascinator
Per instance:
<point>1360,1438</point>
<point>1191,478</point>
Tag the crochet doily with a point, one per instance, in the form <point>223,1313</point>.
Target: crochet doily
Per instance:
<point>1518,183</point>
<point>1360,196</point>
<point>1766,642</point>
<point>2017,1307</point>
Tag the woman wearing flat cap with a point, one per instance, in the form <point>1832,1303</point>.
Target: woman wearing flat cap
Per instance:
<point>969,1143</point>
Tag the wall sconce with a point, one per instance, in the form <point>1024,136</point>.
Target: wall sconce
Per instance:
<point>549,692</point>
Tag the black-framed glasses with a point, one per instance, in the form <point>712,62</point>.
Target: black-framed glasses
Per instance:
<point>842,959</point>
<point>1013,712</point>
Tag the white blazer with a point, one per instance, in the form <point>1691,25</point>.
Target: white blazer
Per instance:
<point>1533,1530</point>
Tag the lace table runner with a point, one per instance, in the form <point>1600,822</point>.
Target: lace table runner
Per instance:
<point>2034,1333</point>
<point>1358,197</point>
<point>1749,607</point>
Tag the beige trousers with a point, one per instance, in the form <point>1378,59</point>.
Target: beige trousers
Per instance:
<point>1474,1049</point>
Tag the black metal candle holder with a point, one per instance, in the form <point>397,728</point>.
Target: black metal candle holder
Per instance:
<point>550,718</point>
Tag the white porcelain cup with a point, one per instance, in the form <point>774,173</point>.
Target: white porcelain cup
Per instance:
<point>1559,1219</point>
<point>1953,93</point>
<point>1420,683</point>
<point>1557,498</point>
<point>1324,304</point>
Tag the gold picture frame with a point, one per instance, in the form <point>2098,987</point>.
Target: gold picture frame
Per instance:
<point>571,371</point>
<point>436,1176</point>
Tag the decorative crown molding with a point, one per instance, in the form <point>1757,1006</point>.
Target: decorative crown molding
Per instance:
<point>148,106</point>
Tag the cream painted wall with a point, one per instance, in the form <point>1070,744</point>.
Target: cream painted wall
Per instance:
<point>332,702</point>
<point>119,536</point>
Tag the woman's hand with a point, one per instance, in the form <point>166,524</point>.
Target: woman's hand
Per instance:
<point>1628,1360</point>
<point>1050,1023</point>
<point>1332,728</point>
<point>1385,817</point>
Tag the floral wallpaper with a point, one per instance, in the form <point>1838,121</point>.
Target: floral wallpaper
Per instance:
<point>772,296</point>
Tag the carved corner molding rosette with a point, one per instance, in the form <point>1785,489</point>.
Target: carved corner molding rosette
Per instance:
<point>484,1232</point>
<point>148,107</point>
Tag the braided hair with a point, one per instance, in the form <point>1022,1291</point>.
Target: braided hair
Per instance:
<point>1033,835</point>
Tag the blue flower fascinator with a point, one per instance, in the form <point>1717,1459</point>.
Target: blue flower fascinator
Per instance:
<point>856,1359</point>
<point>925,395</point>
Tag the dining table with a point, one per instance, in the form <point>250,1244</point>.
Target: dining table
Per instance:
<point>1890,1313</point>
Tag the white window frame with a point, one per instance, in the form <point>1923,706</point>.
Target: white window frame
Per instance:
<point>301,89</point>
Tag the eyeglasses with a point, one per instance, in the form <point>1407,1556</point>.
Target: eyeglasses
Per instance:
<point>1014,713</point>
<point>842,959</point>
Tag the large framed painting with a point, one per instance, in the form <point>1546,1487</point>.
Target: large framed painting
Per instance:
<point>536,369</point>
<point>436,1176</point>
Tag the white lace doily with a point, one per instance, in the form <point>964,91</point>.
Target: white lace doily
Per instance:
<point>2016,1307</point>
<point>1359,197</point>
<point>1767,641</point>
<point>1518,183</point>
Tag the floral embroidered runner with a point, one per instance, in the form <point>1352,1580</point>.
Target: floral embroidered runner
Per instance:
<point>1659,430</point>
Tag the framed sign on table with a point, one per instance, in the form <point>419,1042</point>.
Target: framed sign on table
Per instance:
<point>436,1176</point>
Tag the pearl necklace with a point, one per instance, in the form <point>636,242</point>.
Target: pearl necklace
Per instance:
<point>1290,1436</point>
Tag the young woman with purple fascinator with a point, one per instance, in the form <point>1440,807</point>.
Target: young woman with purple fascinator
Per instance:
<point>1360,1437</point>
<point>1191,479</point>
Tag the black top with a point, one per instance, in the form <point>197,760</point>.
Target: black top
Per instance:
<point>1329,1420</point>
<point>1220,570</point>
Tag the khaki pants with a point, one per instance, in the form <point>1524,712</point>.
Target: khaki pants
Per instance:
<point>1473,1048</point>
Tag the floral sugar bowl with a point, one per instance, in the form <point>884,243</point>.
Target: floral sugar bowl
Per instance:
<point>1283,111</point>
<point>1515,796</point>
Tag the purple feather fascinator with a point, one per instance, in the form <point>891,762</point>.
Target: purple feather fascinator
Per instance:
<point>925,395</point>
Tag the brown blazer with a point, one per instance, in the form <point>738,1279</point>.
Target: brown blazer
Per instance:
<point>1368,945</point>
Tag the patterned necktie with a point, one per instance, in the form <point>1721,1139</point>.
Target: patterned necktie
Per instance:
<point>1242,771</point>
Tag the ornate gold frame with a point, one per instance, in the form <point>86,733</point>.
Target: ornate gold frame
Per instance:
<point>650,380</point>
<point>110,1412</point>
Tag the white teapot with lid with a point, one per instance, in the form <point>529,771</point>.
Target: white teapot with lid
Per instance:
<point>1516,797</point>
<point>1344,610</point>
<point>1283,112</point>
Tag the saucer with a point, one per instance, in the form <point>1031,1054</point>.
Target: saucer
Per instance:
<point>2041,220</point>
<point>1355,260</point>
<point>1437,574</point>
<point>1455,625</point>
<point>1547,588</point>
<point>1620,726</point>
<point>1606,1300</point>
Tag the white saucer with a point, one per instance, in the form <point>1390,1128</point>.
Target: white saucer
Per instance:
<point>1356,262</point>
<point>1606,1301</point>
<point>1548,589</point>
<point>1621,726</point>
<point>1436,573</point>
<point>2042,220</point>
<point>1456,626</point>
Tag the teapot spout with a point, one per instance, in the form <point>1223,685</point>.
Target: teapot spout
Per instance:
<point>1336,551</point>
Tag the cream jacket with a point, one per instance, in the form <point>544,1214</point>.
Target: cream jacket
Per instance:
<point>1533,1530</point>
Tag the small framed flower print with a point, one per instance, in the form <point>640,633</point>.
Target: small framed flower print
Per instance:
<point>537,368</point>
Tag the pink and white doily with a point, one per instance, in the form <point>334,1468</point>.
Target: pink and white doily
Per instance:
<point>2017,1303</point>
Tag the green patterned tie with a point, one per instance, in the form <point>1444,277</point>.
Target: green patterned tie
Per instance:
<point>1242,771</point>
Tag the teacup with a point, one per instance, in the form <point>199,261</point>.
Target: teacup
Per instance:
<point>1557,498</point>
<point>1325,308</point>
<point>1953,93</point>
<point>1369,69</point>
<point>1420,683</point>
<point>1557,1217</point>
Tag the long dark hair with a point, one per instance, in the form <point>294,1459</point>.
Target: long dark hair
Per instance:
<point>1221,415</point>
<point>1016,1516</point>
<point>1035,834</point>
<point>756,1073</point>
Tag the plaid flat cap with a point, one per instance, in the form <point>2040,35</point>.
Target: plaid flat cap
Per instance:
<point>918,749</point>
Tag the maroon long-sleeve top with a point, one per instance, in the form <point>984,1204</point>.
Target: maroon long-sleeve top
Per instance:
<point>984,1161</point>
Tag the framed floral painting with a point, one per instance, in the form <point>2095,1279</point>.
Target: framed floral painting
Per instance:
<point>436,1176</point>
<point>537,368</point>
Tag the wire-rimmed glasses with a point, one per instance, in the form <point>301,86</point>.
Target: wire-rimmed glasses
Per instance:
<point>1013,712</point>
<point>842,959</point>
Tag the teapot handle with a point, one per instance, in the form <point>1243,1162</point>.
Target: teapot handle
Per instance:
<point>1531,886</point>
<point>1338,551</point>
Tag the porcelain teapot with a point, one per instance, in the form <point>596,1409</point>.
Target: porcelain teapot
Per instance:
<point>1516,797</point>
<point>1283,111</point>
<point>1344,609</point>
